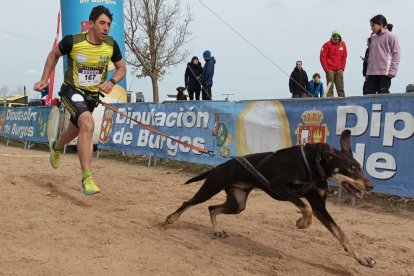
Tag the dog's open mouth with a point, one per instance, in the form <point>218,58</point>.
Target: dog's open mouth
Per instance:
<point>353,191</point>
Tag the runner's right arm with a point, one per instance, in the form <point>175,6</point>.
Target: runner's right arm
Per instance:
<point>50,64</point>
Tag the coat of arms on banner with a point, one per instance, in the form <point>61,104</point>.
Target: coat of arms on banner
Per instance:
<point>106,126</point>
<point>311,131</point>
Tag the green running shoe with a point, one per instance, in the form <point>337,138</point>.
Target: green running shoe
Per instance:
<point>54,154</point>
<point>89,187</point>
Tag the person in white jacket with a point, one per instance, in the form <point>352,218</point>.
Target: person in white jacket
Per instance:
<point>384,57</point>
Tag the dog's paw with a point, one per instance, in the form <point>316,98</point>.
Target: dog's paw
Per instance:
<point>221,234</point>
<point>169,220</point>
<point>369,262</point>
<point>303,223</point>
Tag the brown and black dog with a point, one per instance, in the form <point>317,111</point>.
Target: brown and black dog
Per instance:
<point>180,95</point>
<point>288,175</point>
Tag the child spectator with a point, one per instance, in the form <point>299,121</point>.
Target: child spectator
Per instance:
<point>316,86</point>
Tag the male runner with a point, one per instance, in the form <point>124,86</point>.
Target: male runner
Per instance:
<point>88,55</point>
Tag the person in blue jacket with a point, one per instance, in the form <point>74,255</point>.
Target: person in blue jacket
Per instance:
<point>207,76</point>
<point>316,86</point>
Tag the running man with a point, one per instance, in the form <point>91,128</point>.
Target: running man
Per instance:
<point>88,55</point>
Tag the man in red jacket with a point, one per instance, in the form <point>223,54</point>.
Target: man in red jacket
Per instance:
<point>333,60</point>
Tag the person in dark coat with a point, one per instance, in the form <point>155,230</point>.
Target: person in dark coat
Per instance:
<point>298,82</point>
<point>365,66</point>
<point>192,78</point>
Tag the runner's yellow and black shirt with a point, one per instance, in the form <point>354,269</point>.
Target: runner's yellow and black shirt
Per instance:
<point>88,63</point>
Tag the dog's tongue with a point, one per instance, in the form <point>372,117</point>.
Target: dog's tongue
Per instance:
<point>357,194</point>
<point>354,192</point>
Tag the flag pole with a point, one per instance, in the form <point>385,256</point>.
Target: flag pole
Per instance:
<point>52,75</point>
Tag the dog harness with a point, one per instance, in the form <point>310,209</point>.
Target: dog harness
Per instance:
<point>250,168</point>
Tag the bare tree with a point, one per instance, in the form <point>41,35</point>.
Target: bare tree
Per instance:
<point>20,89</point>
<point>156,32</point>
<point>4,90</point>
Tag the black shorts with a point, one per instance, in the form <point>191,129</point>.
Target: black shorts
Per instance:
<point>76,103</point>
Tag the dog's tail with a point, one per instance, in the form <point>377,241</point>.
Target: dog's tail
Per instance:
<point>198,177</point>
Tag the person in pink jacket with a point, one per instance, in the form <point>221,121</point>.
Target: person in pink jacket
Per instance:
<point>384,57</point>
<point>333,60</point>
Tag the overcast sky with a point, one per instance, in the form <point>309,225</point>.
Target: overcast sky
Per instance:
<point>283,32</point>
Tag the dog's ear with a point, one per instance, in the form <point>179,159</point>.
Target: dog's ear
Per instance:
<point>346,141</point>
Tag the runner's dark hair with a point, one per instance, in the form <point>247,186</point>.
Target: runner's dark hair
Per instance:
<point>97,11</point>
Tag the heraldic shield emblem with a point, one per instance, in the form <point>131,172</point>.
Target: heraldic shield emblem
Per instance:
<point>106,127</point>
<point>311,131</point>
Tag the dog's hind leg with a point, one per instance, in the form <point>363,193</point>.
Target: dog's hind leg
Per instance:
<point>206,191</point>
<point>317,201</point>
<point>234,204</point>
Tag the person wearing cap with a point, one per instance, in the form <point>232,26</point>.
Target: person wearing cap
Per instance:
<point>333,60</point>
<point>207,75</point>
<point>192,78</point>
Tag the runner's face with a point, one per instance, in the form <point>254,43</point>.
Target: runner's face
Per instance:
<point>100,28</point>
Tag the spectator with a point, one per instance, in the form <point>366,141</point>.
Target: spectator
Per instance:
<point>316,86</point>
<point>333,60</point>
<point>365,66</point>
<point>192,78</point>
<point>365,58</point>
<point>207,75</point>
<point>298,82</point>
<point>384,57</point>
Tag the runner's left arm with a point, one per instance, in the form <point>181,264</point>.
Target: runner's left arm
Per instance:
<point>120,70</point>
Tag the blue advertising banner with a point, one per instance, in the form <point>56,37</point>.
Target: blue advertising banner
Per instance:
<point>209,126</point>
<point>75,19</point>
<point>25,123</point>
<point>382,131</point>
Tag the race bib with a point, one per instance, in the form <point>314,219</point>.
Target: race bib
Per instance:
<point>89,76</point>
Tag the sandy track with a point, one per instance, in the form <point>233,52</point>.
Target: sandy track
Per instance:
<point>48,227</point>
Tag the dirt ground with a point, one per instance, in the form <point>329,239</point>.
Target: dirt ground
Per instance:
<point>48,227</point>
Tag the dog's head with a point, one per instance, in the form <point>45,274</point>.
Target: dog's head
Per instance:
<point>342,168</point>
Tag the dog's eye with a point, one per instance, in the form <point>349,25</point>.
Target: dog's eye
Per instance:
<point>356,167</point>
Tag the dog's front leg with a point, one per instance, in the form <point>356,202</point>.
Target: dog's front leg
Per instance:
<point>234,204</point>
<point>317,201</point>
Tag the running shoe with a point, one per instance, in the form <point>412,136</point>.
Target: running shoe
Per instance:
<point>89,187</point>
<point>54,154</point>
